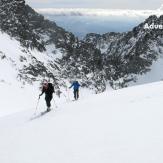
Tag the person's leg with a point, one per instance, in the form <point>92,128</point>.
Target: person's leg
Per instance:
<point>74,94</point>
<point>77,93</point>
<point>48,100</point>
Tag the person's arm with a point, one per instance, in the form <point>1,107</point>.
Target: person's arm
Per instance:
<point>71,85</point>
<point>43,91</point>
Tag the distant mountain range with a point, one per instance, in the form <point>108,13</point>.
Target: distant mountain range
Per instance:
<point>99,12</point>
<point>81,21</point>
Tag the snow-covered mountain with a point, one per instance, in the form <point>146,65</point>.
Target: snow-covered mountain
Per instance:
<point>114,126</point>
<point>37,35</point>
<point>132,54</point>
<point>36,48</point>
<point>31,43</point>
<point>118,126</point>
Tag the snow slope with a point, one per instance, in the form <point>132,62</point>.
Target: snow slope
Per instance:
<point>123,126</point>
<point>13,57</point>
<point>155,74</point>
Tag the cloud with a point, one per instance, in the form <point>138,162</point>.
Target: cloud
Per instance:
<point>99,12</point>
<point>112,4</point>
<point>161,8</point>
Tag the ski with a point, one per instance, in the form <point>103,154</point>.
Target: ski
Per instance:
<point>40,114</point>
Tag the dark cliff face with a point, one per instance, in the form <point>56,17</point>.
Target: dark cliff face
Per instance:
<point>23,23</point>
<point>112,57</point>
<point>136,50</point>
<point>129,54</point>
<point>43,27</point>
<point>14,21</point>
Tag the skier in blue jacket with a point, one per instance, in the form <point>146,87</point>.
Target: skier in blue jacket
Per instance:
<point>75,86</point>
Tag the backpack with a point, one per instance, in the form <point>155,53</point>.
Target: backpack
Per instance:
<point>50,88</point>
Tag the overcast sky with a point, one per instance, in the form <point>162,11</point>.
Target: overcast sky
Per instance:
<point>110,4</point>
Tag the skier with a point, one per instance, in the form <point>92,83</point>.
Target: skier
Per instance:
<point>48,89</point>
<point>75,86</point>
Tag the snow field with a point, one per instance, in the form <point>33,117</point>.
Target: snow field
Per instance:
<point>123,126</point>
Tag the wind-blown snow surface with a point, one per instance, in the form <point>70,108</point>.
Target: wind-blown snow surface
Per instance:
<point>123,126</point>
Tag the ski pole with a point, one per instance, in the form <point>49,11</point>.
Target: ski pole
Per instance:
<point>37,105</point>
<point>68,94</point>
<point>55,103</point>
<point>65,96</point>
